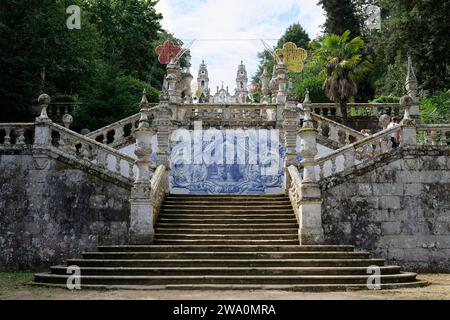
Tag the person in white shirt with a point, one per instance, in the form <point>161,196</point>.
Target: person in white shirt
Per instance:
<point>395,138</point>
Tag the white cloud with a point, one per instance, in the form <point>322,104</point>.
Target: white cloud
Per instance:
<point>234,19</point>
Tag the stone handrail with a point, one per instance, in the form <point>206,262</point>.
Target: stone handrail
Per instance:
<point>115,131</point>
<point>360,109</point>
<point>159,188</point>
<point>16,135</point>
<point>336,132</point>
<point>433,134</point>
<point>294,191</point>
<point>77,146</point>
<point>227,114</point>
<point>357,152</point>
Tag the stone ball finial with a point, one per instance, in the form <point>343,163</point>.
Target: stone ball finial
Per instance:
<point>85,131</point>
<point>406,101</point>
<point>44,99</point>
<point>384,120</point>
<point>67,119</point>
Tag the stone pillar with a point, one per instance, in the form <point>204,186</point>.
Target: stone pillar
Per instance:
<point>290,124</point>
<point>42,134</point>
<point>141,209</point>
<point>172,78</point>
<point>281,81</point>
<point>162,123</point>
<point>310,210</point>
<point>411,86</point>
<point>409,132</point>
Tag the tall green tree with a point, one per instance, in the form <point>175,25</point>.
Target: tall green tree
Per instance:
<point>419,28</point>
<point>343,65</point>
<point>340,16</point>
<point>34,35</point>
<point>130,29</point>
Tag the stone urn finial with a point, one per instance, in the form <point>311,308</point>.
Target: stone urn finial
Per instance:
<point>67,119</point>
<point>44,100</point>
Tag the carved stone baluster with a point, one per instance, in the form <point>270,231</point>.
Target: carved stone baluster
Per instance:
<point>347,138</point>
<point>443,138</point>
<point>130,170</point>
<point>321,171</point>
<point>118,133</point>
<point>333,165</point>
<point>102,157</point>
<point>7,137</point>
<point>433,137</point>
<point>118,160</point>
<point>349,158</point>
<point>20,134</point>
<point>105,138</point>
<point>333,134</point>
<point>85,151</point>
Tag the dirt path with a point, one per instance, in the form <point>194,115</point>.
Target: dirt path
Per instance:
<point>15,286</point>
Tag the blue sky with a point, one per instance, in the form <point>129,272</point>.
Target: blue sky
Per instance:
<point>234,19</point>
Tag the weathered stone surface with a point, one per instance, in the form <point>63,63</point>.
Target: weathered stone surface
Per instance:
<point>398,209</point>
<point>47,216</point>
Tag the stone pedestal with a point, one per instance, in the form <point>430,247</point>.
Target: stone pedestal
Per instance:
<point>141,215</point>
<point>310,215</point>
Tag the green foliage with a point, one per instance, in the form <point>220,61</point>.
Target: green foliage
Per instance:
<point>435,109</point>
<point>343,65</point>
<point>386,99</point>
<point>296,34</point>
<point>341,16</point>
<point>419,28</point>
<point>114,97</point>
<point>315,87</point>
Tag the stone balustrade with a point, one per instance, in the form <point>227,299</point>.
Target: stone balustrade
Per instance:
<point>74,145</point>
<point>355,153</point>
<point>433,134</point>
<point>357,109</point>
<point>294,190</point>
<point>227,114</point>
<point>334,131</point>
<point>159,189</point>
<point>16,135</point>
<point>116,133</point>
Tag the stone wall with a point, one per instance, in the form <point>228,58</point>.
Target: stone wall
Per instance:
<point>47,216</point>
<point>398,209</point>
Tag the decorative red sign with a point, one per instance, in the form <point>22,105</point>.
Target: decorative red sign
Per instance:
<point>167,51</point>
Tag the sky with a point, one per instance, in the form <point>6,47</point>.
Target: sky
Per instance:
<point>207,20</point>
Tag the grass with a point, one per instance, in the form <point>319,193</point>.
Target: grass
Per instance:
<point>13,280</point>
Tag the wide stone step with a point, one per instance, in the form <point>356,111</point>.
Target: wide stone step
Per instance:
<point>261,231</point>
<point>223,248</point>
<point>227,207</point>
<point>225,255</point>
<point>226,226</point>
<point>227,220</point>
<point>248,287</point>
<point>278,279</point>
<point>226,263</point>
<point>168,271</point>
<point>212,210</point>
<point>237,218</point>
<point>193,236</point>
<point>228,203</point>
<point>175,241</point>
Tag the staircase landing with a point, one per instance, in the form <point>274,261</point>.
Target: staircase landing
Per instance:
<point>228,242</point>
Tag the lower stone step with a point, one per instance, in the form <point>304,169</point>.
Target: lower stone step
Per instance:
<point>221,248</point>
<point>176,241</point>
<point>250,263</point>
<point>205,287</point>
<point>293,229</point>
<point>195,236</point>
<point>279,279</point>
<point>167,271</point>
<point>225,255</point>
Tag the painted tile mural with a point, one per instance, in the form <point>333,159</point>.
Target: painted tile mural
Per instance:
<point>226,161</point>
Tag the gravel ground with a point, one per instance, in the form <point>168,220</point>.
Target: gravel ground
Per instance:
<point>15,286</point>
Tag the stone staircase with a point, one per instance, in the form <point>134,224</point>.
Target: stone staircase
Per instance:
<point>228,242</point>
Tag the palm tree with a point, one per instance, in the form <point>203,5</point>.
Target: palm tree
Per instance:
<point>343,65</point>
